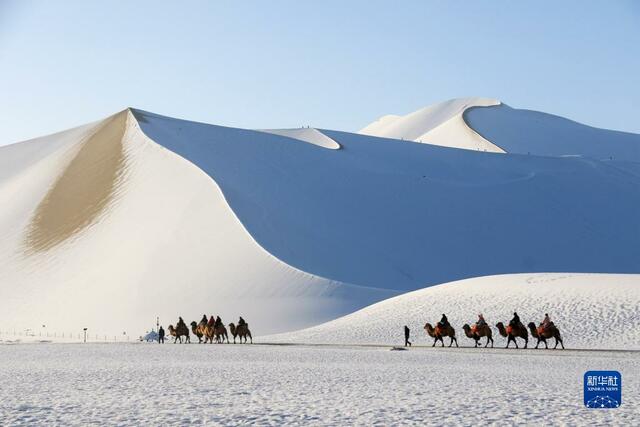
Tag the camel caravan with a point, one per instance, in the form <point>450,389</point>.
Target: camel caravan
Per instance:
<point>210,330</point>
<point>515,329</point>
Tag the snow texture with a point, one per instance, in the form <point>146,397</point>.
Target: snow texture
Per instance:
<point>591,311</point>
<point>151,384</point>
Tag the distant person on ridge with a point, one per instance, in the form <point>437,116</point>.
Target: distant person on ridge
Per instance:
<point>161,335</point>
<point>406,336</point>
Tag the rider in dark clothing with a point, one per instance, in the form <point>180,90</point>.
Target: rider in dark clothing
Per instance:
<point>180,322</point>
<point>212,321</point>
<point>406,336</point>
<point>515,321</point>
<point>161,335</point>
<point>218,322</point>
<point>204,319</point>
<point>241,321</point>
<point>444,321</point>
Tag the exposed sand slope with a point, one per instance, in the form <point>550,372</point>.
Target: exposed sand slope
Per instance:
<point>526,131</point>
<point>165,243</point>
<point>592,311</point>
<point>83,191</point>
<point>439,124</point>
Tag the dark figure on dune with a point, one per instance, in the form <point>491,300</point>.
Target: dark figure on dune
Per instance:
<point>161,335</point>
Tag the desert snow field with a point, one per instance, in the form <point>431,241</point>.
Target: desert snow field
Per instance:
<point>151,384</point>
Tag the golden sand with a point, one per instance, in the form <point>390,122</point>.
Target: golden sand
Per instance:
<point>82,193</point>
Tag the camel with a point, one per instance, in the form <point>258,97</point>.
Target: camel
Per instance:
<point>220,334</point>
<point>197,331</point>
<point>440,332</point>
<point>178,333</point>
<point>542,334</point>
<point>511,332</point>
<point>477,332</point>
<point>241,331</point>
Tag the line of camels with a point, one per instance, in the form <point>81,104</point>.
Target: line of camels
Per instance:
<point>511,332</point>
<point>210,333</point>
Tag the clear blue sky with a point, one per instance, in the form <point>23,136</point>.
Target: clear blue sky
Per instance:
<point>332,64</point>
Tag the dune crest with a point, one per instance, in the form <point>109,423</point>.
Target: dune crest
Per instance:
<point>84,189</point>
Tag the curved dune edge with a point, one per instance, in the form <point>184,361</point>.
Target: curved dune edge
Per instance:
<point>441,124</point>
<point>309,135</point>
<point>591,310</point>
<point>83,191</point>
<point>138,115</point>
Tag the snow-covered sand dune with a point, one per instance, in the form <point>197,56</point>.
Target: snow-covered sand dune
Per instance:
<point>440,124</point>
<point>592,311</point>
<point>489,125</point>
<point>136,216</point>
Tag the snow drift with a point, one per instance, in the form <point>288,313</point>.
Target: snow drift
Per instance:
<point>114,223</point>
<point>591,310</point>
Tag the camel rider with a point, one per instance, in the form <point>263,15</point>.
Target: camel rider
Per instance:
<point>481,322</point>
<point>180,323</point>
<point>547,321</point>
<point>212,321</point>
<point>515,321</point>
<point>203,321</point>
<point>241,321</point>
<point>218,322</point>
<point>444,322</point>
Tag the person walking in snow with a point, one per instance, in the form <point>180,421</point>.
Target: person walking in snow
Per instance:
<point>161,335</point>
<point>406,336</point>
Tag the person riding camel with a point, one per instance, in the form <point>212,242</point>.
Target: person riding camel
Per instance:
<point>515,322</point>
<point>212,321</point>
<point>444,322</point>
<point>218,322</point>
<point>241,321</point>
<point>481,321</point>
<point>546,322</point>
<point>203,321</point>
<point>180,323</point>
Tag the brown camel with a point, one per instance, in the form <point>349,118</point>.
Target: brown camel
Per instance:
<point>220,333</point>
<point>177,334</point>
<point>542,334</point>
<point>197,331</point>
<point>511,332</point>
<point>241,331</point>
<point>440,332</point>
<point>476,332</point>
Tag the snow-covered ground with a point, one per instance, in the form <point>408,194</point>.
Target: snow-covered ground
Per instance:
<point>151,384</point>
<point>600,311</point>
